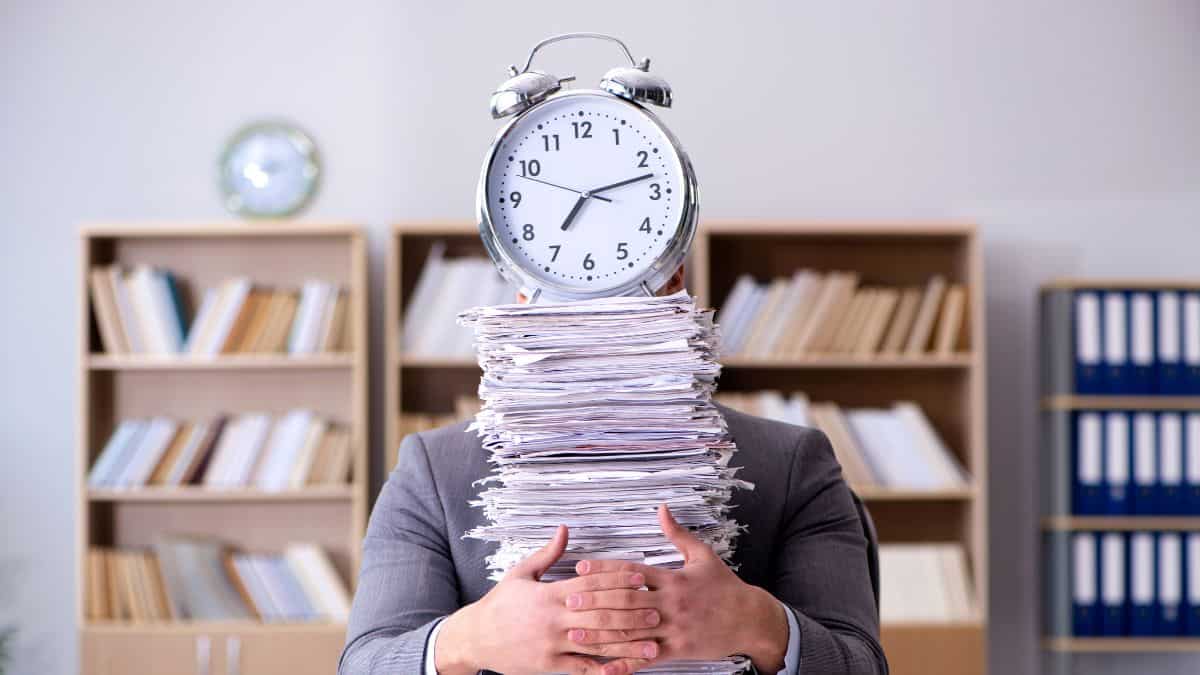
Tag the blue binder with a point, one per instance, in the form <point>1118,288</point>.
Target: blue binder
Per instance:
<point>1142,612</point>
<point>1117,368</point>
<point>1142,369</point>
<point>1112,583</point>
<point>1085,582</point>
<point>1089,374</point>
<point>1168,353</point>
<point>1170,585</point>
<point>1090,498</point>
<point>1190,318</point>
<point>1191,463</point>
<point>1145,463</point>
<point>1191,584</point>
<point>1116,464</point>
<point>1171,495</point>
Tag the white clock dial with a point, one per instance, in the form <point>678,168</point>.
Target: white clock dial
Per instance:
<point>585,192</point>
<point>269,170</point>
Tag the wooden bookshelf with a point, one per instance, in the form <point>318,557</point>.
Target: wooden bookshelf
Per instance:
<point>950,389</point>
<point>115,387</point>
<point>1062,652</point>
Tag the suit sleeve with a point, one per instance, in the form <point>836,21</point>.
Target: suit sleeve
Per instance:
<point>407,583</point>
<point>821,571</point>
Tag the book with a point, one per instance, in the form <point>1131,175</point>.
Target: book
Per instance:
<point>918,339</point>
<point>901,324</point>
<point>870,339</point>
<point>950,321</point>
<point>108,319</point>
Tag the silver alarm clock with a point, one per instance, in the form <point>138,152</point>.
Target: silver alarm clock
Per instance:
<point>585,193</point>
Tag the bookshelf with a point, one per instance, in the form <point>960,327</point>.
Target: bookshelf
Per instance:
<point>116,387</point>
<point>950,388</point>
<point>1062,650</point>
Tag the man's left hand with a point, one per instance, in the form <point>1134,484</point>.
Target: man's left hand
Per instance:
<point>707,611</point>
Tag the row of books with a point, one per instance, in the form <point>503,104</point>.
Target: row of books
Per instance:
<point>1122,341</point>
<point>925,583</point>
<point>894,447</point>
<point>292,451</point>
<point>200,580</point>
<point>1135,583</point>
<point>829,313</point>
<point>445,287</point>
<point>142,311</point>
<point>1136,463</point>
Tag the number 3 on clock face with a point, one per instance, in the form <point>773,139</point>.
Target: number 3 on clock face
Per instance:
<point>585,194</point>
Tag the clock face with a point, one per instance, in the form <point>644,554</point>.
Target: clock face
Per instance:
<point>585,192</point>
<point>269,169</point>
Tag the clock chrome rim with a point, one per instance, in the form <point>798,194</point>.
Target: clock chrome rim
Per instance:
<point>653,278</point>
<point>294,133</point>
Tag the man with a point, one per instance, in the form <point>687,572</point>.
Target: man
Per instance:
<point>800,602</point>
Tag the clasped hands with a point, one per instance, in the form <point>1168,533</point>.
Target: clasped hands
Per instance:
<point>635,615</point>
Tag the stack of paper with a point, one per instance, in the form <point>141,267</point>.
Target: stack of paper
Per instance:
<point>595,412</point>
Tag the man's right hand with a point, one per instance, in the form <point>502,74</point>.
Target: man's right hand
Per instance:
<point>521,626</point>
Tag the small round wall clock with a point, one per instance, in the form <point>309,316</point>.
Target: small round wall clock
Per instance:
<point>585,193</point>
<point>269,170</point>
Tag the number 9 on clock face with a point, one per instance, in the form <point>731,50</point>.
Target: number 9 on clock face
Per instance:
<point>585,193</point>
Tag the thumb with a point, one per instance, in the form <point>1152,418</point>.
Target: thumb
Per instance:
<point>534,566</point>
<point>687,543</point>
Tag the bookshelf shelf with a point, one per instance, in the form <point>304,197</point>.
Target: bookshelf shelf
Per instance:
<point>435,362</point>
<point>882,494</point>
<point>203,495</point>
<point>269,229</point>
<point>850,362</point>
<point>199,627</point>
<point>334,386</point>
<point>1121,645</point>
<point>1121,403</point>
<point>230,362</point>
<point>1120,523</point>
<point>951,389</point>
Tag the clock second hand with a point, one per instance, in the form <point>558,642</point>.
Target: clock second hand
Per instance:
<point>563,187</point>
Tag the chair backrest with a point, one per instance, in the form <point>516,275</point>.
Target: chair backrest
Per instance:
<point>868,527</point>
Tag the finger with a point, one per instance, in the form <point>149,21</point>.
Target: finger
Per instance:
<point>591,567</point>
<point>579,636</point>
<point>623,598</point>
<point>615,619</point>
<point>582,665</point>
<point>602,581</point>
<point>534,566</point>
<point>691,547</point>
<point>646,649</point>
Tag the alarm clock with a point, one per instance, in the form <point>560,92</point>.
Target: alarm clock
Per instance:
<point>585,193</point>
<point>269,169</point>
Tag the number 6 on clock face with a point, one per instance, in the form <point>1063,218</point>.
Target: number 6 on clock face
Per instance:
<point>587,195</point>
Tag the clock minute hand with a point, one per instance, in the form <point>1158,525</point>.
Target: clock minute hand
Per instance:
<point>618,184</point>
<point>563,187</point>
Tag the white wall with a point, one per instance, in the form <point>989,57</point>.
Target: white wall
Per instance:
<point>1069,130</point>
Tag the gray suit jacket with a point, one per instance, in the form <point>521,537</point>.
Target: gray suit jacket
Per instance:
<point>804,544</point>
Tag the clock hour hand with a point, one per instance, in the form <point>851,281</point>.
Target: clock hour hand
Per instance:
<point>618,184</point>
<point>564,187</point>
<point>574,210</point>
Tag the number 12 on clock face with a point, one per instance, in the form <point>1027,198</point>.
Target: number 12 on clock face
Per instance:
<point>586,192</point>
